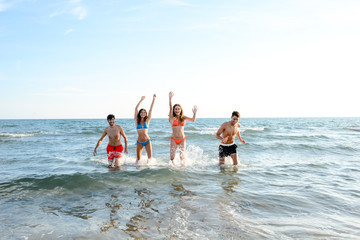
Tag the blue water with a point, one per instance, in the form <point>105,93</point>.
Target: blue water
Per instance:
<point>297,178</point>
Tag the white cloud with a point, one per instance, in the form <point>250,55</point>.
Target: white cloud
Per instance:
<point>69,31</point>
<point>79,12</point>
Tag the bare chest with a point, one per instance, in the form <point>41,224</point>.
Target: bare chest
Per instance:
<point>231,130</point>
<point>113,133</point>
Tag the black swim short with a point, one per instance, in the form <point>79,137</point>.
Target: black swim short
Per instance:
<point>225,151</point>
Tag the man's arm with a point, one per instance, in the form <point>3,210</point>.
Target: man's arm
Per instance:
<point>100,141</point>
<point>125,139</point>
<point>219,132</point>
<point>238,135</point>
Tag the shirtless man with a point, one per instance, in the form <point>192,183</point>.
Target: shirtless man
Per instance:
<point>114,148</point>
<point>227,146</point>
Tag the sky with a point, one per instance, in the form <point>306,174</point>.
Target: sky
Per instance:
<point>87,59</point>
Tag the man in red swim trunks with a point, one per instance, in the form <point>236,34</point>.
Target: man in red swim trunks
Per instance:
<point>114,148</point>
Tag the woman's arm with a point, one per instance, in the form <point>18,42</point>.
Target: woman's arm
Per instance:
<point>171,94</point>
<point>151,108</point>
<point>137,109</point>
<point>195,108</point>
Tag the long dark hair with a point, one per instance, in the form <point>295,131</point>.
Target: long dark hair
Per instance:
<point>139,118</point>
<point>181,117</point>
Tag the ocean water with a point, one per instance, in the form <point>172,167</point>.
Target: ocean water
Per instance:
<point>298,178</point>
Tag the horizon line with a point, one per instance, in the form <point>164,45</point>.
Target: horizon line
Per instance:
<point>165,118</point>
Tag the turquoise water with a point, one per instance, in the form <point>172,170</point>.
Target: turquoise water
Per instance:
<point>297,178</point>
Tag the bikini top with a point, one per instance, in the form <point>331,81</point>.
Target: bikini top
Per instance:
<point>142,127</point>
<point>176,123</point>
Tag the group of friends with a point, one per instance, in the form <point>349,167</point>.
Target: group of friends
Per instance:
<point>226,134</point>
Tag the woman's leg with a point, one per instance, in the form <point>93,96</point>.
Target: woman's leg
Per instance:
<point>139,149</point>
<point>173,147</point>
<point>182,147</point>
<point>148,149</point>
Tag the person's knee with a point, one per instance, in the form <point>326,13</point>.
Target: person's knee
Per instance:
<point>182,154</point>
<point>149,151</point>
<point>117,162</point>
<point>234,158</point>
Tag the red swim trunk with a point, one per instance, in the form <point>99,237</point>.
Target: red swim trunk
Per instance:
<point>114,151</point>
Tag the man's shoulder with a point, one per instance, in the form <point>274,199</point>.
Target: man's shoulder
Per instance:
<point>228,123</point>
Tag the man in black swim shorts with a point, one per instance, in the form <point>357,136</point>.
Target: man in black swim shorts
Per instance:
<point>226,150</point>
<point>227,133</point>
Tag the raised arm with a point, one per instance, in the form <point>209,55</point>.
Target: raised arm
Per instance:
<point>171,94</point>
<point>151,108</point>
<point>195,108</point>
<point>100,141</point>
<point>137,109</point>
